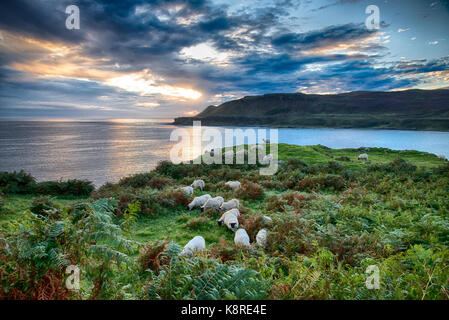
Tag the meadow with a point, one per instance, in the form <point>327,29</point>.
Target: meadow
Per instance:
<point>333,216</point>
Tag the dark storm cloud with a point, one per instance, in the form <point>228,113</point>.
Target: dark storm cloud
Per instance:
<point>264,54</point>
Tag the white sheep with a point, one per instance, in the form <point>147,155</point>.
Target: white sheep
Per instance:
<point>228,205</point>
<point>442,157</point>
<point>267,141</point>
<point>267,220</point>
<point>363,156</point>
<point>267,159</point>
<point>199,201</point>
<point>261,237</point>
<point>213,203</point>
<point>187,190</point>
<point>197,244</point>
<point>241,237</point>
<point>230,219</point>
<point>234,185</point>
<point>198,184</point>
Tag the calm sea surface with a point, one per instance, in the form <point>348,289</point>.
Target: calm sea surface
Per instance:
<point>103,151</point>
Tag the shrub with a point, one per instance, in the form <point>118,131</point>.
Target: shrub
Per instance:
<point>150,256</point>
<point>203,278</point>
<point>250,191</point>
<point>173,199</point>
<point>70,187</point>
<point>15,182</point>
<point>160,182</point>
<point>139,180</point>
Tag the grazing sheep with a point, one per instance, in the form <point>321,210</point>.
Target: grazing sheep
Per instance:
<point>442,157</point>
<point>267,141</point>
<point>363,156</point>
<point>213,203</point>
<point>198,184</point>
<point>267,159</point>
<point>241,237</point>
<point>197,244</point>
<point>199,201</point>
<point>261,237</point>
<point>187,190</point>
<point>228,205</point>
<point>230,219</point>
<point>257,147</point>
<point>234,185</point>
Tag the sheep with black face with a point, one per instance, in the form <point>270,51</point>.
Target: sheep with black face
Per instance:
<point>230,219</point>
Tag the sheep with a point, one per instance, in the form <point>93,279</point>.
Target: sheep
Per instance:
<point>228,205</point>
<point>230,219</point>
<point>213,203</point>
<point>267,220</point>
<point>241,237</point>
<point>199,201</point>
<point>266,141</point>
<point>234,185</point>
<point>267,159</point>
<point>363,156</point>
<point>442,157</point>
<point>261,237</point>
<point>187,190</point>
<point>197,244</point>
<point>198,184</point>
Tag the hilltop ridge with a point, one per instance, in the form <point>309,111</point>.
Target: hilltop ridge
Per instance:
<point>410,109</point>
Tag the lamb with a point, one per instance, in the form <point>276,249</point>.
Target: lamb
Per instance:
<point>267,159</point>
<point>230,219</point>
<point>231,204</point>
<point>199,201</point>
<point>442,157</point>
<point>363,156</point>
<point>198,184</point>
<point>187,190</point>
<point>241,237</point>
<point>197,244</point>
<point>213,203</point>
<point>261,238</point>
<point>234,185</point>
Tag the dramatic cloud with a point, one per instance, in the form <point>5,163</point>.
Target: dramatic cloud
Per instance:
<point>167,58</point>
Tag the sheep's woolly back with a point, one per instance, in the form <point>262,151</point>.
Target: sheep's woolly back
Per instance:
<point>197,244</point>
<point>234,185</point>
<point>241,237</point>
<point>199,201</point>
<point>198,184</point>
<point>228,205</point>
<point>213,203</point>
<point>261,237</point>
<point>230,217</point>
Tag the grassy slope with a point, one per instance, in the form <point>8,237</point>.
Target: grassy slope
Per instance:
<point>174,225</point>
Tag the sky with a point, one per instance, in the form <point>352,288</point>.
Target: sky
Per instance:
<point>164,59</point>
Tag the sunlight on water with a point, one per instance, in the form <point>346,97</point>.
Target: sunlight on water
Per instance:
<point>106,150</point>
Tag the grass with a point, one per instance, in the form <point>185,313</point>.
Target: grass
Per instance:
<point>332,217</point>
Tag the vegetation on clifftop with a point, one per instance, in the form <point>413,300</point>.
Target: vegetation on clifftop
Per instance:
<point>333,216</point>
<point>409,109</point>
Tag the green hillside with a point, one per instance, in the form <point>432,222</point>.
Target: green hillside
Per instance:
<point>410,109</point>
